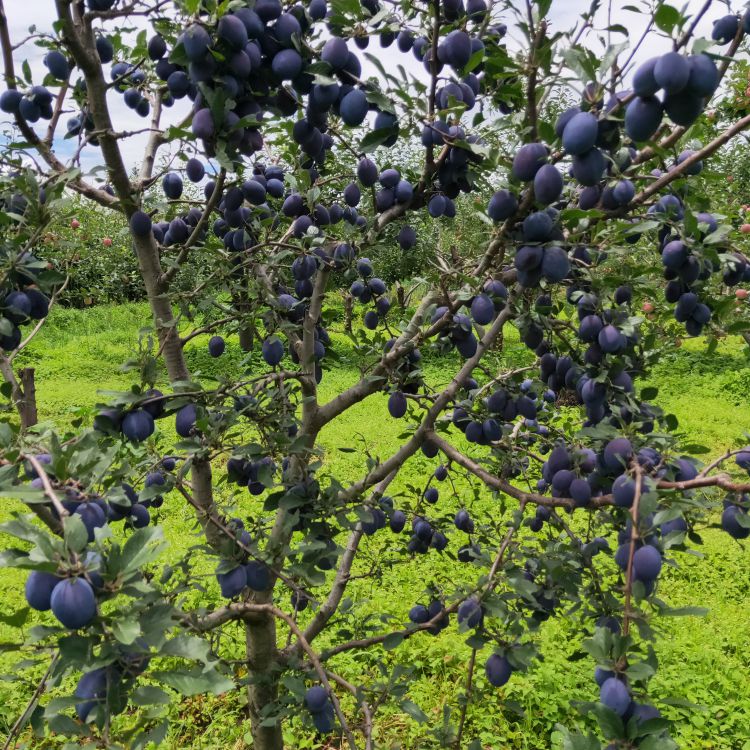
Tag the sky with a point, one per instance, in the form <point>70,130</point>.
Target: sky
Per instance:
<point>563,16</point>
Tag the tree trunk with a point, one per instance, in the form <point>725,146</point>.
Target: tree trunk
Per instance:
<point>261,636</point>
<point>263,690</point>
<point>401,296</point>
<point>348,310</point>
<point>247,337</point>
<point>27,404</point>
<point>23,392</point>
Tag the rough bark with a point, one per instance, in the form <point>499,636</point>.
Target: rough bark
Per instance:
<point>246,336</point>
<point>27,405</point>
<point>23,392</point>
<point>263,690</point>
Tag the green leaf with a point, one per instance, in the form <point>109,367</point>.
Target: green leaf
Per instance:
<point>652,742</point>
<point>609,722</point>
<point>666,18</point>
<point>684,612</point>
<point>16,619</point>
<point>76,534</point>
<point>195,681</point>
<point>126,630</point>
<point>150,695</point>
<point>374,139</point>
<point>188,647</point>
<point>641,670</point>
<point>414,711</point>
<point>152,737</point>
<point>393,640</point>
<point>142,548</point>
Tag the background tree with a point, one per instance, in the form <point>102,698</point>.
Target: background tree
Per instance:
<point>601,205</point>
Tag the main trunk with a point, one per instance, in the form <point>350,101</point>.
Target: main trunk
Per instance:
<point>261,635</point>
<point>263,690</point>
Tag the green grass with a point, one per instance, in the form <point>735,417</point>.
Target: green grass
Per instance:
<point>702,660</point>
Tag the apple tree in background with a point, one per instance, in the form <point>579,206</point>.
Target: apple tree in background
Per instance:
<point>283,172</point>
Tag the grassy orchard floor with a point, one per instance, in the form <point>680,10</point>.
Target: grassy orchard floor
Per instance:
<point>702,660</point>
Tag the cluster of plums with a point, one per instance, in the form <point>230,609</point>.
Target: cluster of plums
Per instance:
<point>71,599</point>
<point>246,473</point>
<point>23,302</point>
<point>136,424</point>
<point>123,503</point>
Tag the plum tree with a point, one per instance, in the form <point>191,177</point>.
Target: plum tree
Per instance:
<point>293,168</point>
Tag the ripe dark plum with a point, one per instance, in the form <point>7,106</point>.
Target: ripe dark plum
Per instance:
<point>614,695</point>
<point>367,172</point>
<point>258,575</point>
<point>38,589</point>
<point>272,351</point>
<point>502,205</point>
<point>644,82</point>
<point>735,522</point>
<point>647,563</point>
<point>498,670</point>
<point>528,160</point>
<point>672,72</point>
<point>589,167</point>
<point>470,613</point>
<point>354,107</point>
<point>555,264</point>
<point>725,28</point>
<point>140,224</point>
<point>216,346</point>
<point>683,108</point>
<point>537,227</point>
<point>548,184</point>
<point>623,490</point>
<point>138,425</point>
<point>93,517</point>
<point>397,521</point>
<point>196,41</point>
<point>286,64</point>
<point>172,185</point>
<point>455,50</point>
<point>407,237</point>
<point>580,491</point>
<point>643,116</point>
<point>617,454</point>
<point>73,603</point>
<point>580,133</point>
<point>704,75</point>
<point>185,420</point>
<point>482,309</point>
<point>397,404</point>
<point>232,582</point>
<point>57,64</point>
<point>611,340</point>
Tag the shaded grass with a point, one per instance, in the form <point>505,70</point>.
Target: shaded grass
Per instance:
<point>702,659</point>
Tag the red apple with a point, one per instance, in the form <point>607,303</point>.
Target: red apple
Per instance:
<point>742,294</point>
<point>74,224</point>
<point>648,307</point>
<point>745,229</point>
<point>107,242</point>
